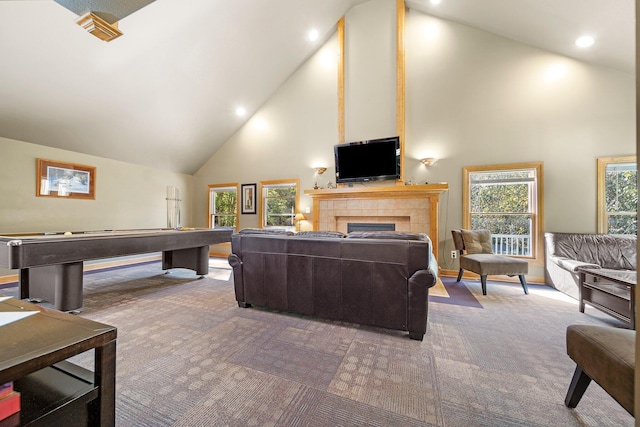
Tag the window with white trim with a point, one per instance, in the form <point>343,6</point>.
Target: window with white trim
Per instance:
<point>223,205</point>
<point>505,199</point>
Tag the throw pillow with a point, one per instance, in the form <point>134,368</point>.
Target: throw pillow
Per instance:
<point>477,241</point>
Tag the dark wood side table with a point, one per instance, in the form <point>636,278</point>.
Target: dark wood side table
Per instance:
<point>54,391</point>
<point>610,291</point>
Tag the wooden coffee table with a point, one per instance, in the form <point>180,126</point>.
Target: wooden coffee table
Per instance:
<point>610,291</point>
<point>52,390</point>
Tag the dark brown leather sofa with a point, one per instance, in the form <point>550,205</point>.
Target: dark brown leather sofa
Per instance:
<point>371,278</point>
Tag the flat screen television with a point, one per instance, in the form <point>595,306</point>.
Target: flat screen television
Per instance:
<point>371,160</point>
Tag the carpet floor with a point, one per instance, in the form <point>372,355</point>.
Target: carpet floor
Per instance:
<point>187,355</point>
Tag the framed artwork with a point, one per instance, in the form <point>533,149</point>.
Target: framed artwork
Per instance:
<point>248,198</point>
<point>67,180</point>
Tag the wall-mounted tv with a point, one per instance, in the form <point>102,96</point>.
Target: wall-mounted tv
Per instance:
<point>372,160</point>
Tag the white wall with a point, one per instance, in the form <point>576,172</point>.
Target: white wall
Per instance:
<point>473,98</point>
<point>127,195</point>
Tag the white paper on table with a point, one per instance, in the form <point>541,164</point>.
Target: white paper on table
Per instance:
<point>7,317</point>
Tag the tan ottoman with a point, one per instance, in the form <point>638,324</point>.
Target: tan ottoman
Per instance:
<point>606,355</point>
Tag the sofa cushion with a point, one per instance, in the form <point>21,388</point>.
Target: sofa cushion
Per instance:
<point>572,265</point>
<point>477,241</point>
<point>337,234</point>
<point>606,250</point>
<point>276,231</point>
<point>398,235</point>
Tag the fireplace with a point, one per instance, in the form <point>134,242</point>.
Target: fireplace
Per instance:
<point>410,208</point>
<point>367,226</point>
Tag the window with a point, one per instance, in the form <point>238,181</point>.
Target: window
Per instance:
<point>223,205</point>
<point>506,199</point>
<point>279,203</point>
<point>617,195</point>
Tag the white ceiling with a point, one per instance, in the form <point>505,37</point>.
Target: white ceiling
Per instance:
<point>164,94</point>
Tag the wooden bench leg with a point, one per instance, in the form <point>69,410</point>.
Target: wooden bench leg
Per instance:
<point>483,280</point>
<point>578,386</point>
<point>523,281</point>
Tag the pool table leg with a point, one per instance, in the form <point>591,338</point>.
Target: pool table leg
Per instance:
<point>59,284</point>
<point>196,259</point>
<point>23,283</point>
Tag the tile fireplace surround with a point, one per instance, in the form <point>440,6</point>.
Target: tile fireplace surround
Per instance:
<point>412,208</point>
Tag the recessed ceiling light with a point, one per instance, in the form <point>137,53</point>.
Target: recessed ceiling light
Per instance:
<point>313,35</point>
<point>585,41</point>
<point>241,111</point>
<point>435,2</point>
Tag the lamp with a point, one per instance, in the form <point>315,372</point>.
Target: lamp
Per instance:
<point>320,170</point>
<point>299,217</point>
<point>429,161</point>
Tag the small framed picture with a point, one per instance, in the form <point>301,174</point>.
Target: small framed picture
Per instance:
<point>66,180</point>
<point>248,198</point>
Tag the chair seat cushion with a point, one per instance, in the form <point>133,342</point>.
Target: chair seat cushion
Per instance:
<point>492,264</point>
<point>607,355</point>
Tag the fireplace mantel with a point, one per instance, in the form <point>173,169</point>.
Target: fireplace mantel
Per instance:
<point>412,208</point>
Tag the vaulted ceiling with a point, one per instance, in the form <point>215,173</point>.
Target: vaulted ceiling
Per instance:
<point>164,94</point>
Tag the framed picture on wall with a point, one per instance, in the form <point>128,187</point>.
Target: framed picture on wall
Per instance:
<point>66,180</point>
<point>248,198</point>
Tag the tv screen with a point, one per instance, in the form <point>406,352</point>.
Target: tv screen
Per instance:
<point>372,160</point>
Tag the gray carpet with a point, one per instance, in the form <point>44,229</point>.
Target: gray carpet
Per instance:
<point>189,356</point>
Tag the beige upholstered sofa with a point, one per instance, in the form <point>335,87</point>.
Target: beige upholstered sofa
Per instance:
<point>378,279</point>
<point>565,253</point>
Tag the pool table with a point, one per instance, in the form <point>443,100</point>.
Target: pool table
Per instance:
<point>51,264</point>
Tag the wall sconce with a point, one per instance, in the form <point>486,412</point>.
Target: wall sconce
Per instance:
<point>299,217</point>
<point>429,161</point>
<point>320,170</point>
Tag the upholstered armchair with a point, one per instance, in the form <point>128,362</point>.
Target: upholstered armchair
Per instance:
<point>476,255</point>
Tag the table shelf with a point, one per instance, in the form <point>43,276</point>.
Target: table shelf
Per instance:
<point>53,391</point>
<point>609,291</point>
<point>56,394</point>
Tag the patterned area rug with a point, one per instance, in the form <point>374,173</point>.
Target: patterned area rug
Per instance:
<point>453,293</point>
<point>187,355</point>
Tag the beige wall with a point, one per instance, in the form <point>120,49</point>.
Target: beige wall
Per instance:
<point>293,132</point>
<point>127,195</point>
<point>370,71</point>
<point>472,98</point>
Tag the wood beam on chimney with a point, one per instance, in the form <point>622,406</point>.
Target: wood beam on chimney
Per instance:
<point>99,27</point>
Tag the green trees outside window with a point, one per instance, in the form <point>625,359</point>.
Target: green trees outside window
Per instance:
<point>618,195</point>
<point>280,205</point>
<point>504,200</point>
<point>223,205</point>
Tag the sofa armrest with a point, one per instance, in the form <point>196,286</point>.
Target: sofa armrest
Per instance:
<point>572,265</point>
<point>236,263</point>
<point>418,300</point>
